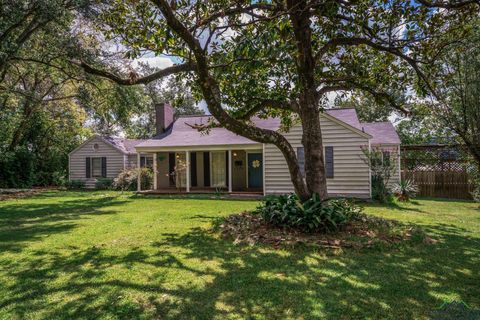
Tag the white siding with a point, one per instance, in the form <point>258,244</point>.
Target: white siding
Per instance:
<point>351,172</point>
<point>77,166</point>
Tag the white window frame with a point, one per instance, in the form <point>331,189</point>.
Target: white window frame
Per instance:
<point>92,169</point>
<point>211,169</point>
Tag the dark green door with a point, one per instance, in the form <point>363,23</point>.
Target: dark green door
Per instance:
<point>255,170</point>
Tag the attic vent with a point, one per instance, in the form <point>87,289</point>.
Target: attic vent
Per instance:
<point>95,147</point>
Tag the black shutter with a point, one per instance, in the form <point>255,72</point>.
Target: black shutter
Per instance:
<point>88,171</point>
<point>142,162</point>
<point>206,169</point>
<point>226,169</point>
<point>193,168</point>
<point>301,159</point>
<point>104,167</point>
<point>329,162</point>
<point>171,167</point>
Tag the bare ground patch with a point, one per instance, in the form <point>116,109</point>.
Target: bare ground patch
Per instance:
<point>6,194</point>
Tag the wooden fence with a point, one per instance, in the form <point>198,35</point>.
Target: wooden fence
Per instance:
<point>438,184</point>
<point>439,171</point>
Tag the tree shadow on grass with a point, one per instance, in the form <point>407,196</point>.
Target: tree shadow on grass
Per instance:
<point>396,206</point>
<point>246,282</point>
<point>359,284</point>
<point>20,222</point>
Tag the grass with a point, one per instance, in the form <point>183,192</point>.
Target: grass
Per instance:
<point>106,255</point>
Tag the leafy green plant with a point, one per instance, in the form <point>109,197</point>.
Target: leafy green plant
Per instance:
<point>104,183</point>
<point>475,181</point>
<point>310,216</point>
<point>405,190</point>
<point>75,184</point>
<point>476,194</point>
<point>218,192</point>
<point>127,179</point>
<point>382,167</point>
<point>380,190</point>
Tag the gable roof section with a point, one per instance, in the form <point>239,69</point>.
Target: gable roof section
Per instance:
<point>350,116</point>
<point>347,115</point>
<point>125,146</point>
<point>382,132</point>
<point>182,134</point>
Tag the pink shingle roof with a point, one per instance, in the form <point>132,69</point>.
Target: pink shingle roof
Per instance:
<point>381,132</point>
<point>181,134</point>
<point>124,145</point>
<point>347,115</point>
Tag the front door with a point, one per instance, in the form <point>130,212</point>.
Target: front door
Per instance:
<point>255,170</point>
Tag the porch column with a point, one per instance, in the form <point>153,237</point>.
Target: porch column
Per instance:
<point>155,171</point>
<point>139,169</point>
<point>230,171</point>
<point>188,170</point>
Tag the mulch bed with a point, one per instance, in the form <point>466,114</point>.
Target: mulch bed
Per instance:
<point>6,194</point>
<point>366,231</point>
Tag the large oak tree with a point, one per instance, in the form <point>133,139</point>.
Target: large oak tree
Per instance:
<point>283,57</point>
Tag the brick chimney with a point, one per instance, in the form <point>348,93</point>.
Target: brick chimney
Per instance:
<point>164,116</point>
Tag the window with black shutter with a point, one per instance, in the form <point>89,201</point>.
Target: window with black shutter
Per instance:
<point>329,162</point>
<point>104,167</point>
<point>301,159</point>
<point>88,170</point>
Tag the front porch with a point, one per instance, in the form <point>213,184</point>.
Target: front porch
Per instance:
<point>233,171</point>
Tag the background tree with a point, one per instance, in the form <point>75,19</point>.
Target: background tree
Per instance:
<point>456,101</point>
<point>47,106</point>
<point>171,89</point>
<point>282,58</point>
<point>369,108</point>
<point>40,120</point>
<point>22,19</point>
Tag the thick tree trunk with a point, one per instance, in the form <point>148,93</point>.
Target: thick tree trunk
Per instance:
<point>28,110</point>
<point>313,146</point>
<point>309,101</point>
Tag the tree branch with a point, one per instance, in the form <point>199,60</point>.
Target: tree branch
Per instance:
<point>456,4</point>
<point>230,12</point>
<point>353,41</point>
<point>133,80</point>
<point>268,103</point>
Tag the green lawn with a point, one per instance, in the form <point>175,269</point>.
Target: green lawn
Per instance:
<point>106,255</point>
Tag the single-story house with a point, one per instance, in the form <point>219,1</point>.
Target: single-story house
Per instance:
<point>185,159</point>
